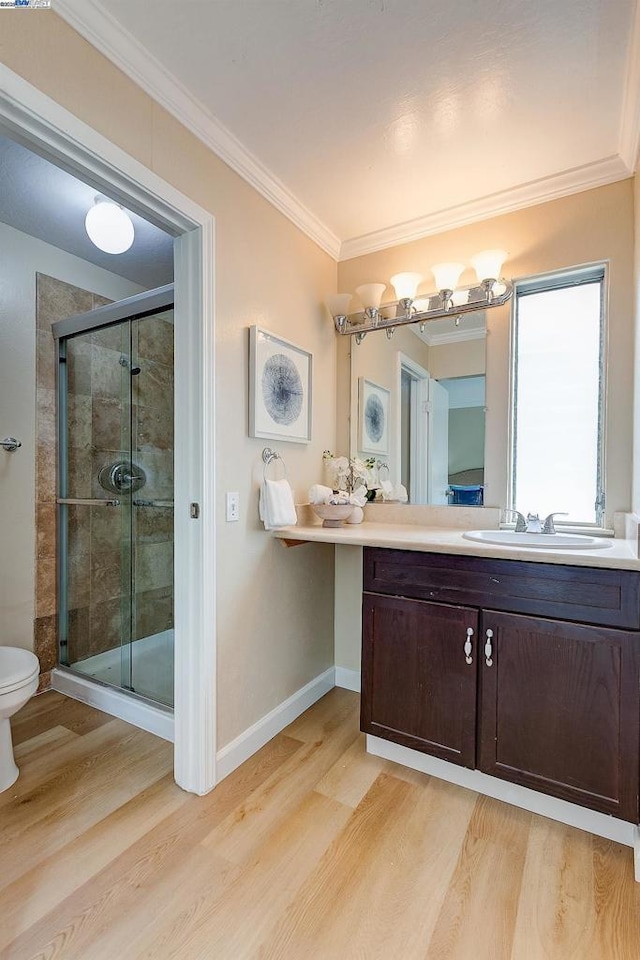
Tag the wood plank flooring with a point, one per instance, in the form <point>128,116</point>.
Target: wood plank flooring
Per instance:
<point>312,850</point>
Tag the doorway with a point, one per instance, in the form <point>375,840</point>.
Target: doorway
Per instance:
<point>33,119</point>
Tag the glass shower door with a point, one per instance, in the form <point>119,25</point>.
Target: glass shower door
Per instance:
<point>152,507</point>
<point>116,504</point>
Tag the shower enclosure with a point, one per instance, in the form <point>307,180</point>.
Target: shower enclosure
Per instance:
<point>115,494</point>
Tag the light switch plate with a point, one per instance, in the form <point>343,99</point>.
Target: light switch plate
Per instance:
<point>233,507</point>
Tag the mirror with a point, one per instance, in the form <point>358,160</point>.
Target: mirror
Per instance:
<point>428,392</point>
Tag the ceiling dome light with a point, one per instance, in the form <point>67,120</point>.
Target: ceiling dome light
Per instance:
<point>109,227</point>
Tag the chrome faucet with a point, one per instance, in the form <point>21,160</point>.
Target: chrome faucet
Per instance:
<point>532,523</point>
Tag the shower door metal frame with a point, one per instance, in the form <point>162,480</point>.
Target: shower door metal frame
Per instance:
<point>142,305</point>
<point>40,123</point>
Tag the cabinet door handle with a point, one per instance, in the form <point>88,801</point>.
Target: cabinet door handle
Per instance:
<point>488,648</point>
<point>468,648</point>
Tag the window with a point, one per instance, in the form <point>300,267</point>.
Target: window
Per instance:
<point>558,396</point>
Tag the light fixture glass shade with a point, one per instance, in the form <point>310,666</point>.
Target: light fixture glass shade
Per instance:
<point>488,264</point>
<point>370,294</point>
<point>109,227</point>
<point>447,275</point>
<point>460,297</point>
<point>338,304</point>
<point>406,285</point>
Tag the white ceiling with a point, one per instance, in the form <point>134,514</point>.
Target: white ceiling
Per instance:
<point>370,122</point>
<point>44,201</point>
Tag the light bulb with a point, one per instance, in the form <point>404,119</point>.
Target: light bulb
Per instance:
<point>109,227</point>
<point>447,275</point>
<point>406,284</point>
<point>488,264</point>
<point>338,304</point>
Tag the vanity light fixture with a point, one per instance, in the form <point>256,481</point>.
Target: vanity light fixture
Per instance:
<point>109,227</point>
<point>447,301</point>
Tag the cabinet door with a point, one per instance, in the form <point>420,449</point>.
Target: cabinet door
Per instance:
<point>559,710</point>
<point>418,682</point>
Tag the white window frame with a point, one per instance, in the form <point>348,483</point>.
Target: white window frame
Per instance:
<point>554,280</point>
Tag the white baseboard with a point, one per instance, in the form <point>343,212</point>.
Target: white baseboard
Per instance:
<point>348,679</point>
<point>146,716</point>
<point>561,810</point>
<point>233,754</point>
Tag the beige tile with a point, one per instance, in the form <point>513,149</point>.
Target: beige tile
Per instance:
<point>78,634</point>
<point>46,529</point>
<point>109,528</point>
<point>107,574</point>
<point>153,566</point>
<point>158,467</point>
<point>46,415</point>
<point>78,366</point>
<point>114,338</point>
<point>46,472</point>
<point>110,424</point>
<point>153,612</point>
<point>45,587</point>
<point>46,642</point>
<point>107,375</point>
<point>46,359</point>
<point>153,387</point>
<point>155,340</point>
<point>154,428</point>
<point>78,580</point>
<point>106,625</point>
<point>79,531</point>
<point>57,300</point>
<point>80,465</point>
<point>153,524</point>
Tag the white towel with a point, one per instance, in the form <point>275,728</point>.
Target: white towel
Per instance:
<point>319,494</point>
<point>387,489</point>
<point>277,508</point>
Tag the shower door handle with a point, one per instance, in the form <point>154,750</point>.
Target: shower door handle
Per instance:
<point>80,502</point>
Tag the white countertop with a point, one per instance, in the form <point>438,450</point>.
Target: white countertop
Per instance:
<point>622,553</point>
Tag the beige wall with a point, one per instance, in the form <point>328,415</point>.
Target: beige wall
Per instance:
<point>636,297</point>
<point>22,257</point>
<point>592,226</point>
<point>275,610</point>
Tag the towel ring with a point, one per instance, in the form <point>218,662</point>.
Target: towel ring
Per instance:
<point>382,465</point>
<point>269,456</point>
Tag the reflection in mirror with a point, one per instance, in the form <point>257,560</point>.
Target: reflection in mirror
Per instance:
<point>436,384</point>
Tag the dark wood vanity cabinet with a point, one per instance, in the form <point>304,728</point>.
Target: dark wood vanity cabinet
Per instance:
<point>551,704</point>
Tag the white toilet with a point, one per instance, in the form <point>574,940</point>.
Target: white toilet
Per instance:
<point>19,672</point>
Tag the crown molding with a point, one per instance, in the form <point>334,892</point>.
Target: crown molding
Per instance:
<point>104,32</point>
<point>586,177</point>
<point>629,148</point>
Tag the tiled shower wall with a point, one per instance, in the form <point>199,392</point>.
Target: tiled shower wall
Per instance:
<point>55,300</point>
<point>104,420</point>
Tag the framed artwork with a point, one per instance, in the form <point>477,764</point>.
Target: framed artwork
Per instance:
<point>280,385</point>
<point>373,425</point>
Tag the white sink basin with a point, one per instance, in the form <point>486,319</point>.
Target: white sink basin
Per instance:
<point>538,541</point>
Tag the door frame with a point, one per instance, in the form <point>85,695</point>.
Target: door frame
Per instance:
<point>419,473</point>
<point>34,119</point>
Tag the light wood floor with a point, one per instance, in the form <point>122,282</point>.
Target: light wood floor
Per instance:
<point>312,850</point>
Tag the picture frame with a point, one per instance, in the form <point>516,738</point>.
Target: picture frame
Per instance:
<point>280,388</point>
<point>373,419</point>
